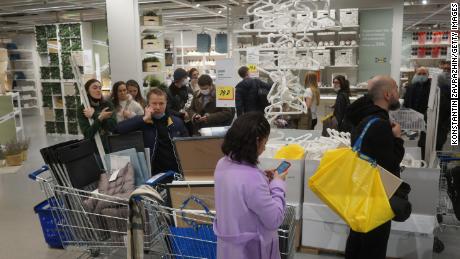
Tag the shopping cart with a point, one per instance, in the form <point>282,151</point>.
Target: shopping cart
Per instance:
<point>97,224</point>
<point>448,211</point>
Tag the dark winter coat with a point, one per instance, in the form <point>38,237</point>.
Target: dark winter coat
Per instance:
<point>379,142</point>
<point>105,127</point>
<point>175,127</point>
<point>417,96</point>
<point>247,95</point>
<point>341,103</point>
<point>217,116</point>
<point>177,98</point>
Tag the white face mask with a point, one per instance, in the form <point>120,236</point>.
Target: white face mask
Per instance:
<point>205,92</point>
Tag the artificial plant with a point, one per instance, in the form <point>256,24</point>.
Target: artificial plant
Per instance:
<point>150,59</point>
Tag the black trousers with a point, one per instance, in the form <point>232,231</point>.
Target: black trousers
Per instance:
<point>313,123</point>
<point>371,245</point>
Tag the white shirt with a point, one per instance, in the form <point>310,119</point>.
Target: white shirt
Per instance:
<point>131,106</point>
<point>314,104</point>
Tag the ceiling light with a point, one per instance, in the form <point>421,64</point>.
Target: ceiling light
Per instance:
<point>197,5</point>
<point>424,2</point>
<point>220,11</point>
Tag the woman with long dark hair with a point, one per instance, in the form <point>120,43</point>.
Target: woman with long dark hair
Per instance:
<point>135,91</point>
<point>250,203</point>
<point>342,87</point>
<point>126,107</point>
<point>101,111</point>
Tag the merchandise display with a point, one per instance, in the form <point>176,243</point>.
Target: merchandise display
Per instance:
<point>333,157</point>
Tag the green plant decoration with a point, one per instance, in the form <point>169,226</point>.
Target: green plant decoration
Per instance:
<point>150,13</point>
<point>54,59</point>
<point>60,127</point>
<point>59,114</point>
<point>50,127</point>
<point>42,45</point>
<point>67,72</point>
<point>75,30</point>
<point>40,33</point>
<point>154,82</point>
<point>65,45</point>
<point>12,148</point>
<point>51,32</point>
<point>72,115</point>
<point>77,91</point>
<point>47,89</point>
<point>65,57</point>
<point>56,88</point>
<point>44,72</point>
<point>64,31</point>
<point>76,44</point>
<point>150,37</point>
<point>70,103</point>
<point>48,101</point>
<point>151,59</point>
<point>55,73</point>
<point>73,128</point>
<point>163,87</point>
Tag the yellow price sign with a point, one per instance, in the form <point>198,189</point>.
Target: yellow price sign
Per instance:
<point>252,68</point>
<point>225,92</point>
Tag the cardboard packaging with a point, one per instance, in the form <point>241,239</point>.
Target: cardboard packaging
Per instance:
<point>152,66</point>
<point>151,44</point>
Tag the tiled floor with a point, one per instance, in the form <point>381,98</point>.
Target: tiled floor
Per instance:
<point>20,232</point>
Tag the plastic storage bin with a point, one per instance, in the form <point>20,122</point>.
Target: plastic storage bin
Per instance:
<point>49,227</point>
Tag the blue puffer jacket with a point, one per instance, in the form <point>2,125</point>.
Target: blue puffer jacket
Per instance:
<point>176,128</point>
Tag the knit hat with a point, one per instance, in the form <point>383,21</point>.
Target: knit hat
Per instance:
<point>179,74</point>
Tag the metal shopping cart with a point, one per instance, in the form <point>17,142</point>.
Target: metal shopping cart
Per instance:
<point>97,224</point>
<point>448,210</point>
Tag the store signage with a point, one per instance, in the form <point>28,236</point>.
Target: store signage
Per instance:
<point>225,83</point>
<point>252,61</point>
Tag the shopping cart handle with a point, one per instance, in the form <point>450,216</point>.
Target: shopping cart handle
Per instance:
<point>34,175</point>
<point>159,177</point>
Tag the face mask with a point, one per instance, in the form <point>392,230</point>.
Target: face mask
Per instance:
<point>158,116</point>
<point>205,92</point>
<point>419,79</point>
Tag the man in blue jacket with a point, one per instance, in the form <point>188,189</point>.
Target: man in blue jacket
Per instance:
<point>159,129</point>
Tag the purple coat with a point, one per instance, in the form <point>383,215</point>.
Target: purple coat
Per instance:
<point>249,211</point>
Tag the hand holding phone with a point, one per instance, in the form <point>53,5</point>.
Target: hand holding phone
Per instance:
<point>282,170</point>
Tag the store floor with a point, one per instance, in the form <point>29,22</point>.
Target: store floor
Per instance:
<point>20,232</point>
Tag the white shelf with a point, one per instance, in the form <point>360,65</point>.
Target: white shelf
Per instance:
<point>428,58</point>
<point>441,44</point>
<point>297,32</point>
<point>30,98</point>
<point>25,80</point>
<point>22,60</point>
<point>31,107</point>
<point>152,28</point>
<point>352,66</point>
<point>50,80</point>
<point>18,129</point>
<point>20,70</point>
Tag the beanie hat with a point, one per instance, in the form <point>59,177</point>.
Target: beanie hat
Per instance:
<point>179,74</point>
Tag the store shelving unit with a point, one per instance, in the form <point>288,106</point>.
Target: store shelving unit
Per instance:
<point>11,123</point>
<point>429,47</point>
<point>23,71</point>
<point>56,43</point>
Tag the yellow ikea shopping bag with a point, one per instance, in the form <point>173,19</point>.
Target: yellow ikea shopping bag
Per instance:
<point>351,186</point>
<point>290,152</point>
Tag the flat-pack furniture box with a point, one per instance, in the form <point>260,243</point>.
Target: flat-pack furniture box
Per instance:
<point>349,17</point>
<point>198,156</point>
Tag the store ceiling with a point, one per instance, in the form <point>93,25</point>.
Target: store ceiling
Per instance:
<point>23,15</point>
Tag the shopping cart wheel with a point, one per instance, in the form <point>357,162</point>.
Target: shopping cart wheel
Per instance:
<point>439,218</point>
<point>94,252</point>
<point>438,245</point>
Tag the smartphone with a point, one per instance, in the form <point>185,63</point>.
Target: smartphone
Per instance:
<point>283,167</point>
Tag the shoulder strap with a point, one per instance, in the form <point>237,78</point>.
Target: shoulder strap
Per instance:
<point>359,141</point>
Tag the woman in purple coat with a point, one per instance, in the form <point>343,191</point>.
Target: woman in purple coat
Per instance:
<point>249,202</point>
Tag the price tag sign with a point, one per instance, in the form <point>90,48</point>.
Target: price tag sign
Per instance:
<point>225,93</point>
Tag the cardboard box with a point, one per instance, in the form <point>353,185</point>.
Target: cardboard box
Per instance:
<point>349,17</point>
<point>152,66</point>
<point>152,20</point>
<point>198,156</point>
<point>295,178</point>
<point>181,191</point>
<point>151,44</point>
